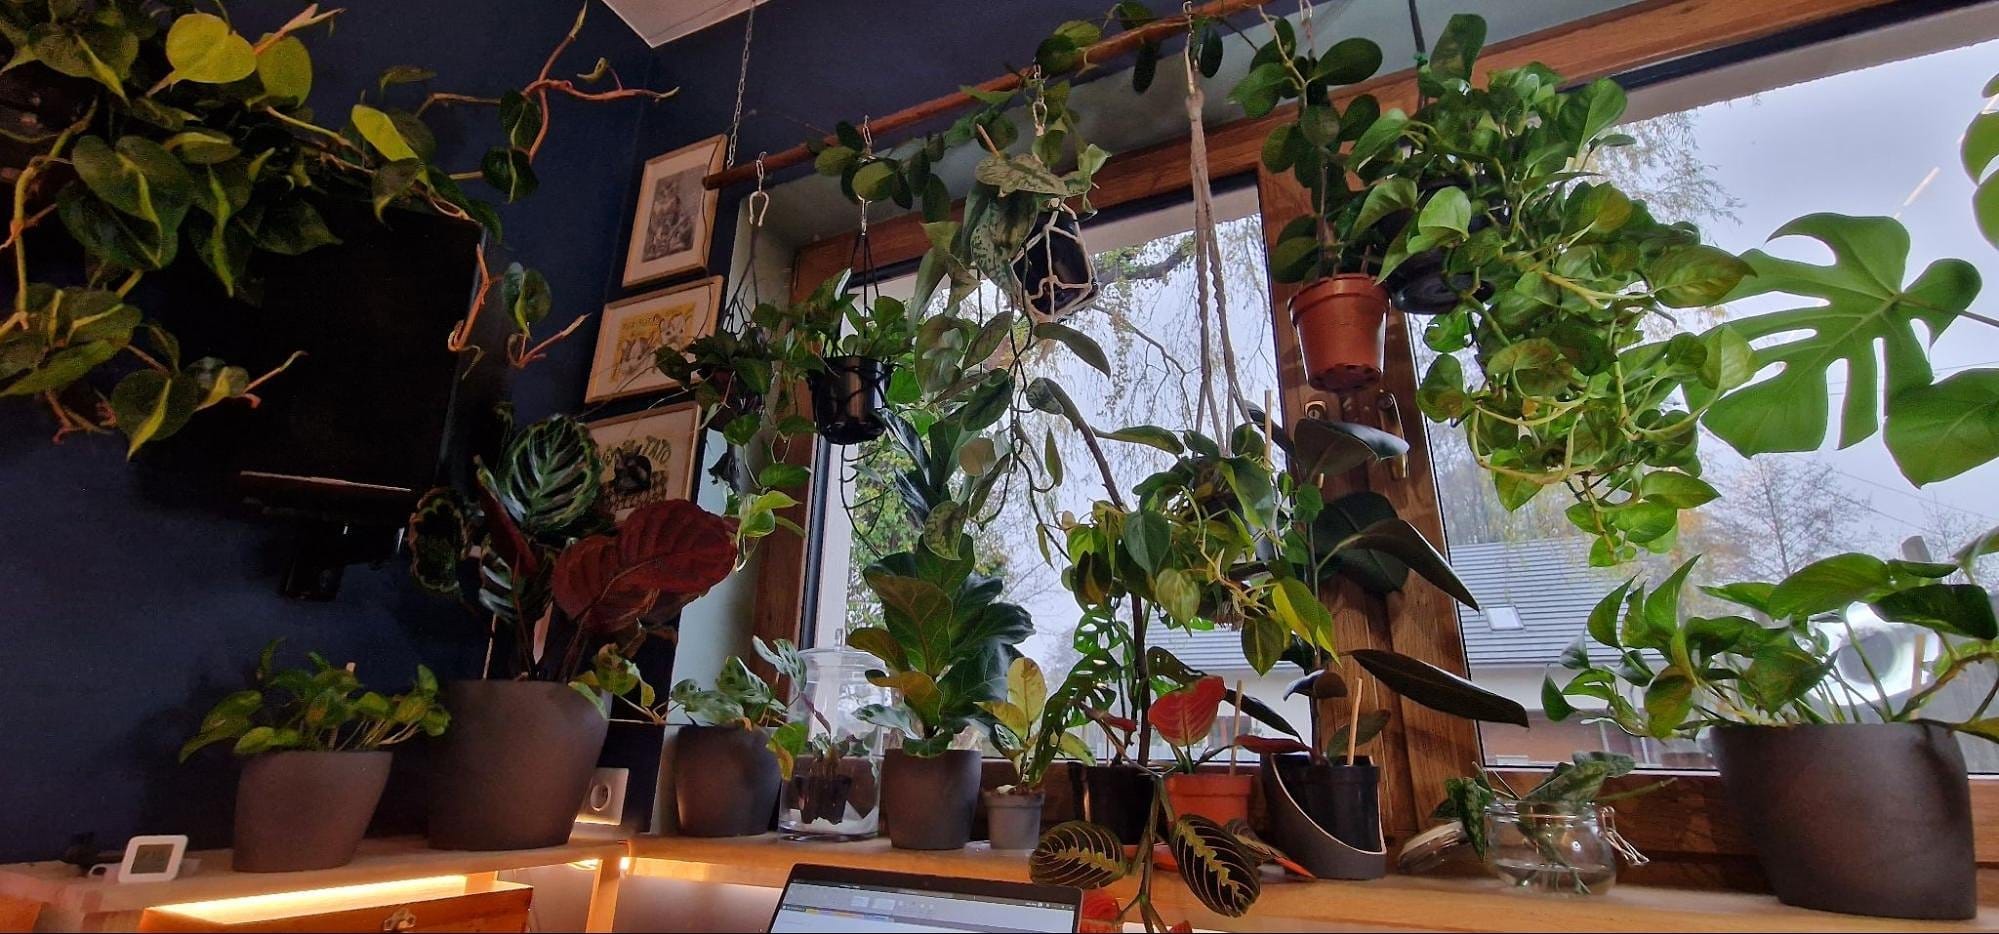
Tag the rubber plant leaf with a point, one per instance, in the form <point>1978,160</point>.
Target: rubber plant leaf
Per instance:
<point>1857,302</point>
<point>1438,689</point>
<point>1400,539</point>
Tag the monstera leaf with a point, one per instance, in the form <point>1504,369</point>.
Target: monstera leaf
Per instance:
<point>549,476</point>
<point>1853,304</point>
<point>1215,866</point>
<point>1078,854</point>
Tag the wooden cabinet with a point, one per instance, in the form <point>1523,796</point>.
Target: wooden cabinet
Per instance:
<point>497,906</point>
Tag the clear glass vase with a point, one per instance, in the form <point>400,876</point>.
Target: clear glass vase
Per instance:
<point>835,787</point>
<point>1552,847</point>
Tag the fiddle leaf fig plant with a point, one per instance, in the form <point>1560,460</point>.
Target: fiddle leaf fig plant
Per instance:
<point>180,142</point>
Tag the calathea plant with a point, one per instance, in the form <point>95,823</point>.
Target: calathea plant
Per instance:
<point>534,550</point>
<point>323,708</point>
<point>190,143</point>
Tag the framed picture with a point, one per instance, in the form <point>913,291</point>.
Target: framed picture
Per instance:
<point>648,456</point>
<point>632,331</point>
<point>676,214</point>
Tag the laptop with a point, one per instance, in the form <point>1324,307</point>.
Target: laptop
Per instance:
<point>832,898</point>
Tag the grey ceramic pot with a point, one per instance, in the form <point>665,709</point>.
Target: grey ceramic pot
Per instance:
<point>927,802</point>
<point>511,771</point>
<point>725,781</point>
<point>1013,821</point>
<point>305,810</point>
<point>1861,818</point>
<point>1289,783</point>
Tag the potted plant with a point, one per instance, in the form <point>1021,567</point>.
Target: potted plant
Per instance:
<point>1183,718</point>
<point>1856,801</point>
<point>315,759</point>
<point>558,579</point>
<point>725,777</point>
<point>850,381</point>
<point>1558,837</point>
<point>1030,729</point>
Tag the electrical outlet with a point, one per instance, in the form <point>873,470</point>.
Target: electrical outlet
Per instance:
<point>604,803</point>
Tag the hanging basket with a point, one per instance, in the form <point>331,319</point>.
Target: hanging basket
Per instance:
<point>1419,286</point>
<point>1054,267</point>
<point>850,399</point>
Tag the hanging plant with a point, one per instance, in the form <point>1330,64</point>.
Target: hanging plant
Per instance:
<point>189,143</point>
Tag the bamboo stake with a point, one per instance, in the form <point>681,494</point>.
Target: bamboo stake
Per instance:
<point>1353,724</point>
<point>1235,727</point>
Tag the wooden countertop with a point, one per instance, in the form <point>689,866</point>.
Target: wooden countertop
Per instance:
<point>1408,902</point>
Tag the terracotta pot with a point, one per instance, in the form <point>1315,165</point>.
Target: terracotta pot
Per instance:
<point>305,810</point>
<point>1342,321</point>
<point>1119,797</point>
<point>928,801</point>
<point>511,772</point>
<point>1013,821</point>
<point>1217,796</point>
<point>725,781</point>
<point>850,399</point>
<point>1862,818</point>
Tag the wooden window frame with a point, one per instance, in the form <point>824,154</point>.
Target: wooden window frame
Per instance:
<point>1686,827</point>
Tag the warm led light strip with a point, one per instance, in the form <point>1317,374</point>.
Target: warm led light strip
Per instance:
<point>314,901</point>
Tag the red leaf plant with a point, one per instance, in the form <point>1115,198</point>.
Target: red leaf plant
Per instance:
<point>1185,716</point>
<point>666,553</point>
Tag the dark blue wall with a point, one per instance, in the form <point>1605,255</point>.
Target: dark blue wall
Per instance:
<point>127,608</point>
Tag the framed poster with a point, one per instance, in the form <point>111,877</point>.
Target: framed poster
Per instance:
<point>675,218</point>
<point>633,330</point>
<point>648,456</point>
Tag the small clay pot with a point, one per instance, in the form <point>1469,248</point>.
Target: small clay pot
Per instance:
<point>849,399</point>
<point>1013,821</point>
<point>725,781</point>
<point>1217,796</point>
<point>511,772</point>
<point>301,810</point>
<point>928,801</point>
<point>1862,818</point>
<point>1342,322</point>
<point>1119,797</point>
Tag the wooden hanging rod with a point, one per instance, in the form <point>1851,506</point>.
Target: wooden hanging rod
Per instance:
<point>1117,46</point>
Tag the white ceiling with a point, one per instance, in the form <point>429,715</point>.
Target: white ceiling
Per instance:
<point>659,22</point>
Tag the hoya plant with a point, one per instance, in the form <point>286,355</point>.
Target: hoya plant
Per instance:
<point>322,708</point>
<point>173,141</point>
<point>1653,669</point>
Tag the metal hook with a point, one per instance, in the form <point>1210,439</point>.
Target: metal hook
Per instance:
<point>759,199</point>
<point>867,137</point>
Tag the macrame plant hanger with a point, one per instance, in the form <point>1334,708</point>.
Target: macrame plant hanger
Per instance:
<point>1211,295</point>
<point>861,262</point>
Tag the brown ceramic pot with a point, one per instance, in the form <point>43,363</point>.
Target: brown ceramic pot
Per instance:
<point>1217,796</point>
<point>725,781</point>
<point>928,801</point>
<point>1862,818</point>
<point>1341,321</point>
<point>305,810</point>
<point>511,772</point>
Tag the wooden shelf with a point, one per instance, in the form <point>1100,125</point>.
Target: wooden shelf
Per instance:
<point>391,859</point>
<point>1442,904</point>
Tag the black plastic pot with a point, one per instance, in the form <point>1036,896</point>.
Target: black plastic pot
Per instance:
<point>725,781</point>
<point>305,810</point>
<point>850,399</point>
<point>1054,268</point>
<point>1119,797</point>
<point>1327,816</point>
<point>928,801</point>
<point>1866,819</point>
<point>1419,286</point>
<point>512,770</point>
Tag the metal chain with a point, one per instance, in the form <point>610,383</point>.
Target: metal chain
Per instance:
<point>742,82</point>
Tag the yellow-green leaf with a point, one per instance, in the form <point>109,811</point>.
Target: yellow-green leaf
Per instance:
<point>380,131</point>
<point>201,47</point>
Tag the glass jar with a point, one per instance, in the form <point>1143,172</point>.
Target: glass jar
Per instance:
<point>1557,847</point>
<point>835,787</point>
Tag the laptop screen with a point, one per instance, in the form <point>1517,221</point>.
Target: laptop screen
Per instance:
<point>821,898</point>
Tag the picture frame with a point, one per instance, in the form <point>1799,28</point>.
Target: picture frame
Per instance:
<point>648,456</point>
<point>673,222</point>
<point>632,330</point>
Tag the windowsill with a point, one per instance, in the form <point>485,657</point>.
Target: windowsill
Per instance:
<point>1397,901</point>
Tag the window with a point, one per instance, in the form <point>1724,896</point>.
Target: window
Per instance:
<point>1144,321</point>
<point>1739,150</point>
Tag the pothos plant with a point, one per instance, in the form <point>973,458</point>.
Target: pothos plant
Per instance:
<point>189,143</point>
<point>323,708</point>
<point>534,549</point>
<point>1654,670</point>
<point>1577,783</point>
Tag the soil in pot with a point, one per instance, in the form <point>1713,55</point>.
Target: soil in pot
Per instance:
<point>1217,796</point>
<point>513,768</point>
<point>849,399</point>
<point>1342,321</point>
<point>725,781</point>
<point>305,810</point>
<point>1861,818</point>
<point>1013,821</point>
<point>928,801</point>
<point>1054,268</point>
<point>1119,797</point>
